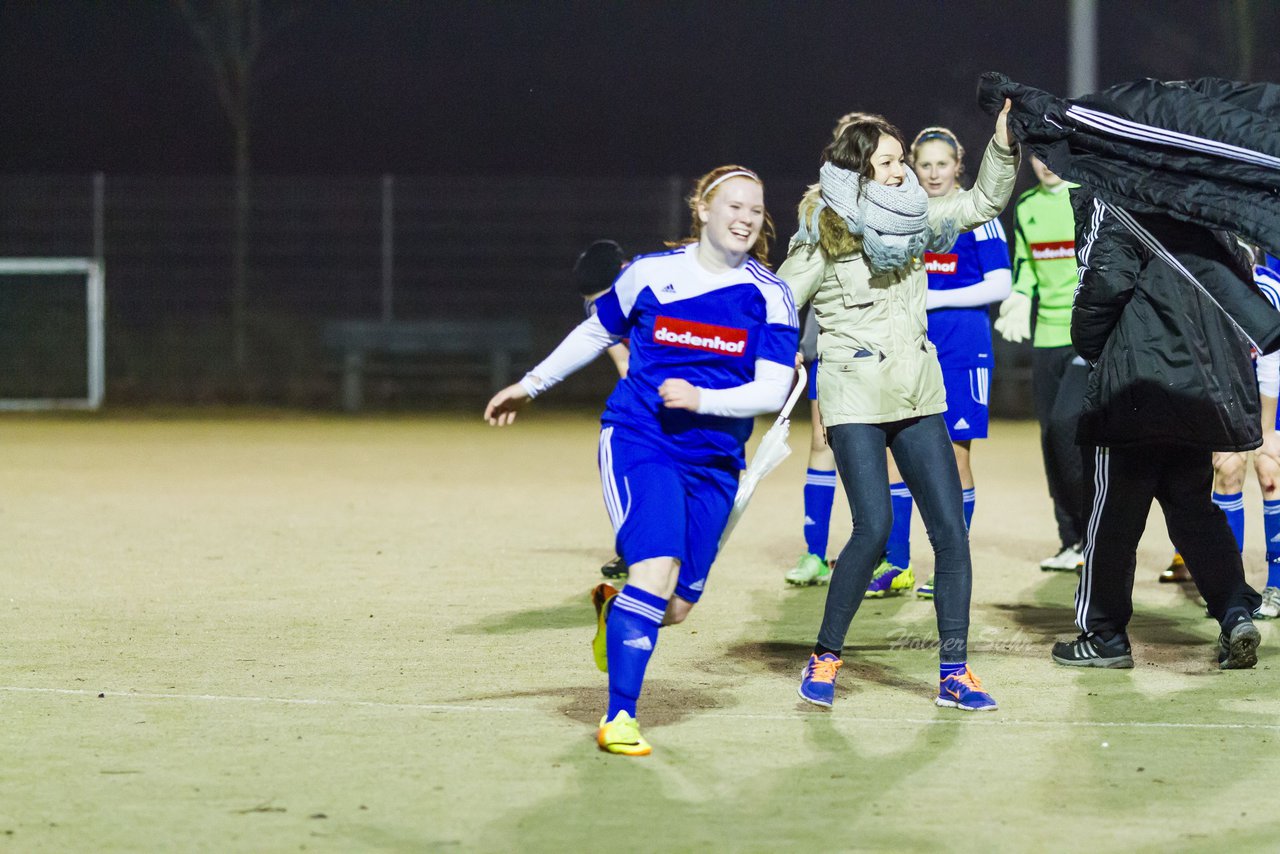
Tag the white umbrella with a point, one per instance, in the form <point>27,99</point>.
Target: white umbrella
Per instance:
<point>773,449</point>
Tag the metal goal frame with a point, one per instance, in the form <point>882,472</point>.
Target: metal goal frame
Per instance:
<point>94,303</point>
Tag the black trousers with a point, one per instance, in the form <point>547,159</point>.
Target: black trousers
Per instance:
<point>1119,486</point>
<point>1058,380</point>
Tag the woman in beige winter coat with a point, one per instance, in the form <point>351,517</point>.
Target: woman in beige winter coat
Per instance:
<point>864,229</point>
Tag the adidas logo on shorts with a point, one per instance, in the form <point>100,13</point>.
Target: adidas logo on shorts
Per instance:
<point>641,642</point>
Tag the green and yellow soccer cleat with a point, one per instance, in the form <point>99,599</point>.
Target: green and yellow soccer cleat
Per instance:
<point>925,591</point>
<point>601,595</point>
<point>622,736</point>
<point>810,569</point>
<point>890,580</point>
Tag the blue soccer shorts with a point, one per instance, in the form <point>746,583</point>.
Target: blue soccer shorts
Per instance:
<point>813,380</point>
<point>662,508</point>
<point>968,392</point>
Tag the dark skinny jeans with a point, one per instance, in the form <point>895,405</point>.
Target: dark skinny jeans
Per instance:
<point>922,450</point>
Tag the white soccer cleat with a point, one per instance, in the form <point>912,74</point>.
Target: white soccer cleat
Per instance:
<point>1069,559</point>
<point>1270,607</point>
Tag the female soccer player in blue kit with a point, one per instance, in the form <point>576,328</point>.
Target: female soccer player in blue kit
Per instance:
<point>713,342</point>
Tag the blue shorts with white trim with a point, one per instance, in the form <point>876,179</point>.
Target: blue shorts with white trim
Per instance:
<point>968,390</point>
<point>661,508</point>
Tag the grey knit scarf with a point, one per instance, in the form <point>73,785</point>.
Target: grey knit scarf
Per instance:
<point>892,221</point>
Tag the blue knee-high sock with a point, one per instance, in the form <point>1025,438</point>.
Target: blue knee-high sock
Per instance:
<point>631,635</point>
<point>898,550</point>
<point>970,499</point>
<point>819,494</point>
<point>1233,506</point>
<point>1271,525</point>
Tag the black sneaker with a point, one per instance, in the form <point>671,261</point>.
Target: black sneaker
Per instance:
<point>1239,650</point>
<point>1089,650</point>
<point>615,570</point>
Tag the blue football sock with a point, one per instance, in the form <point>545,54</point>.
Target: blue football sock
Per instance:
<point>819,494</point>
<point>1271,525</point>
<point>1233,506</point>
<point>631,635</point>
<point>950,668</point>
<point>970,499</point>
<point>898,550</point>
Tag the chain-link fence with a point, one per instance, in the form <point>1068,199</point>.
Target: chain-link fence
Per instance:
<point>403,249</point>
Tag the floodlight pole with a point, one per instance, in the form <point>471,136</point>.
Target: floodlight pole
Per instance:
<point>99,215</point>
<point>1082,48</point>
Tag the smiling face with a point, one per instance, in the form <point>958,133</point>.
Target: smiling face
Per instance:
<point>888,162</point>
<point>733,217</point>
<point>936,167</point>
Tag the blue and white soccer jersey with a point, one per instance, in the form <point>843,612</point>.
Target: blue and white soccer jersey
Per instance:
<point>963,335</point>
<point>669,475</point>
<point>1268,281</point>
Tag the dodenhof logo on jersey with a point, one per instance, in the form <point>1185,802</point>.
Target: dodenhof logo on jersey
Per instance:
<point>1054,250</point>
<point>944,264</point>
<point>675,332</point>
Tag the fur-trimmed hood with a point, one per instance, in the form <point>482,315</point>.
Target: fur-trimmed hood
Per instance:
<point>834,237</point>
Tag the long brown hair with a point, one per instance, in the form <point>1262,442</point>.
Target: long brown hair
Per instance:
<point>857,141</point>
<point>760,251</point>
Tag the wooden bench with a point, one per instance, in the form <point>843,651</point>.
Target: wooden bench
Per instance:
<point>496,343</point>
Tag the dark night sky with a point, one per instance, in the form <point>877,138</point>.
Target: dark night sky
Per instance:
<point>590,88</point>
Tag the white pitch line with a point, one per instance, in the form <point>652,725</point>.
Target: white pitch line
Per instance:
<point>965,719</point>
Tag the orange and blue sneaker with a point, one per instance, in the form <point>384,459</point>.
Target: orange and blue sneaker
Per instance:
<point>622,736</point>
<point>963,690</point>
<point>602,597</point>
<point>890,580</point>
<point>818,679</point>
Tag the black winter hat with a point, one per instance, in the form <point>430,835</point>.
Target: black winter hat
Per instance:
<point>597,267</point>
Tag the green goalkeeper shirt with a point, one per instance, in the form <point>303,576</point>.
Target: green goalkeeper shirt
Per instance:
<point>1044,260</point>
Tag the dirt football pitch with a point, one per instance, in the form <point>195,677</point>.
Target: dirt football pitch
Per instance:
<point>291,633</point>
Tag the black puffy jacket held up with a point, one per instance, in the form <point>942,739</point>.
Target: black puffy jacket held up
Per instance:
<point>1204,152</point>
<point>1169,365</point>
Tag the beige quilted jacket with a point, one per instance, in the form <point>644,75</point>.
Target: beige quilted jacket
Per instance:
<point>877,362</point>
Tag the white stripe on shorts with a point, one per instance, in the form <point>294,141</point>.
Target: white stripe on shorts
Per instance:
<point>609,485</point>
<point>980,385</point>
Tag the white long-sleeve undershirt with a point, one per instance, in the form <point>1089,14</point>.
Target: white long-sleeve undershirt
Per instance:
<point>766,393</point>
<point>1269,374</point>
<point>995,286</point>
<point>578,349</point>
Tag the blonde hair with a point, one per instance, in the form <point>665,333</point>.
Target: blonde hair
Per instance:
<point>939,134</point>
<point>704,190</point>
<point>851,118</point>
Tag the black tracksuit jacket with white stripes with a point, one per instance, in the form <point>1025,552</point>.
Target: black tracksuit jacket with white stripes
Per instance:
<point>1205,152</point>
<point>1169,365</point>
